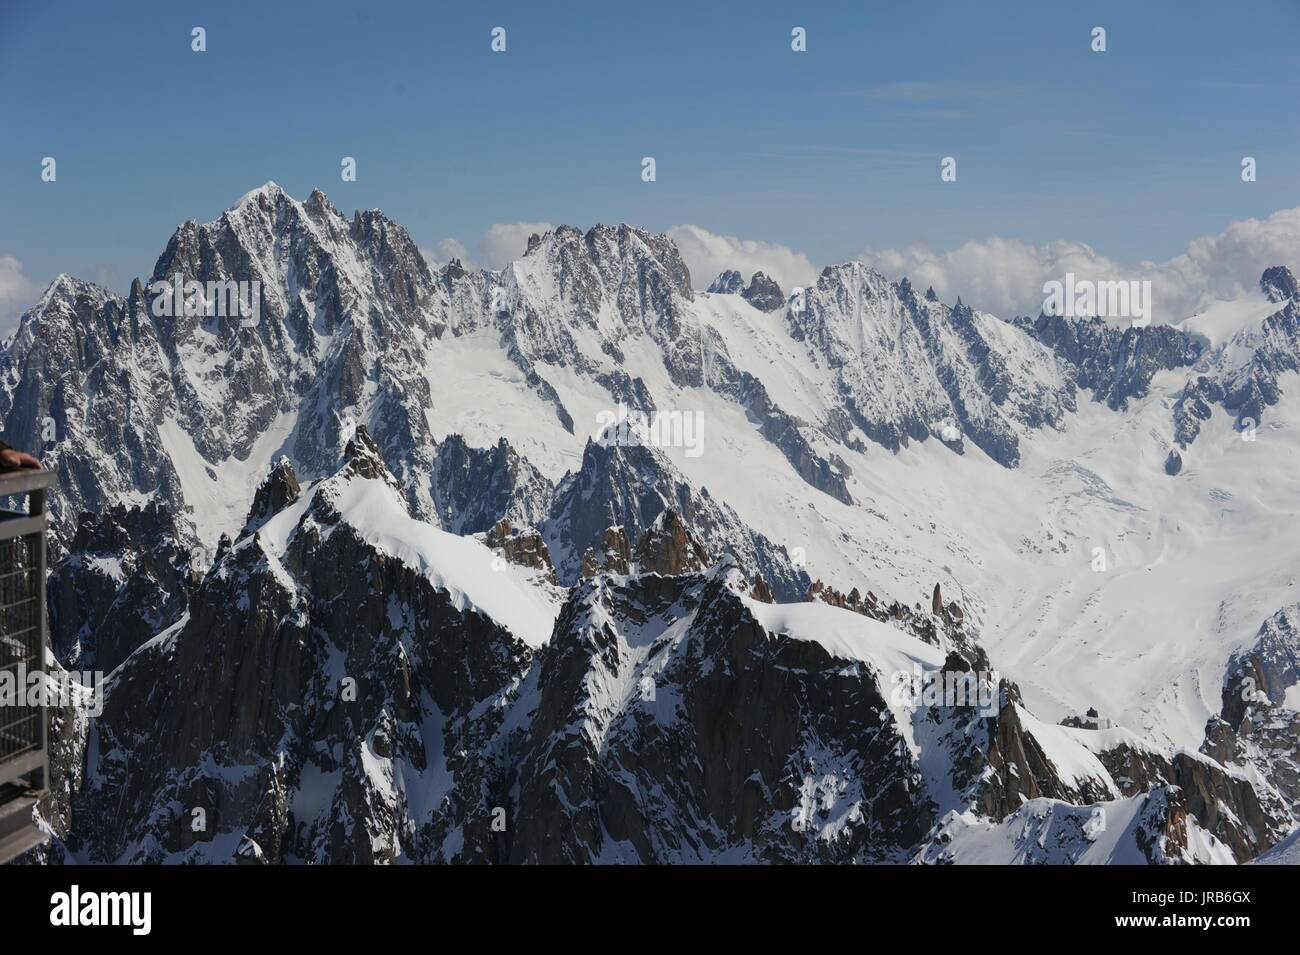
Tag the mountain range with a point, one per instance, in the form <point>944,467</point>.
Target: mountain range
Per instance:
<point>381,576</point>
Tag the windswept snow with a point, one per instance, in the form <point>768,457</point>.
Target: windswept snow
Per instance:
<point>473,575</point>
<point>220,493</point>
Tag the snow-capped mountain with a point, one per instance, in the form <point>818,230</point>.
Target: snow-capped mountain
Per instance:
<point>498,502</point>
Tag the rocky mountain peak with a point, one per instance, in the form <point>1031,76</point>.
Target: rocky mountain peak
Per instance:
<point>638,270</point>
<point>265,195</point>
<point>473,488</point>
<point>362,457</point>
<point>454,269</point>
<point>764,293</point>
<point>278,490</point>
<point>728,282</point>
<point>666,547</point>
<point>1279,284</point>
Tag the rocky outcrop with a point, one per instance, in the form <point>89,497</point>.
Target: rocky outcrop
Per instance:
<point>948,620</point>
<point>613,557</point>
<point>1261,676</point>
<point>520,545</point>
<point>278,490</point>
<point>1194,406</point>
<point>128,573</point>
<point>763,293</point>
<point>1224,803</point>
<point>667,548</point>
<point>1256,733</point>
<point>474,488</point>
<point>669,718</point>
<point>1016,768</point>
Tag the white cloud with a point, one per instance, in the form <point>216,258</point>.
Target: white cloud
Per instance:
<point>445,251</point>
<point>505,241</point>
<point>707,254</point>
<point>17,293</point>
<point>1006,276</point>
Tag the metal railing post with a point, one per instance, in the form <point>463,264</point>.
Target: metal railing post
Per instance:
<point>24,642</point>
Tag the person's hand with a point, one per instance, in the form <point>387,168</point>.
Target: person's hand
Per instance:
<point>12,459</point>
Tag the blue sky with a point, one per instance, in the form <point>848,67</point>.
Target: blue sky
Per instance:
<point>1134,151</point>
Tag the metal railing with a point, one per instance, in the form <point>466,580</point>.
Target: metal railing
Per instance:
<point>24,722</point>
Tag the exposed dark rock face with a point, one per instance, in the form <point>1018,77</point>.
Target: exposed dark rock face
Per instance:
<point>474,488</point>
<point>763,293</point>
<point>332,696</point>
<point>454,270</point>
<point>714,757</point>
<point>760,591</point>
<point>1264,745</point>
<point>520,545</point>
<point>76,356</point>
<point>122,384</point>
<point>827,474</point>
<point>1279,284</point>
<point>613,557</point>
<point>1161,832</point>
<point>1262,675</point>
<point>1250,388</point>
<point>729,282</point>
<point>1116,364</point>
<point>1256,733</point>
<point>1224,803</point>
<point>667,548</point>
<point>1173,462</point>
<point>278,490</point>
<point>1017,769</point>
<point>314,707</point>
<point>1194,407</point>
<point>127,576</point>
<point>663,722</point>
